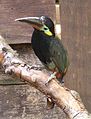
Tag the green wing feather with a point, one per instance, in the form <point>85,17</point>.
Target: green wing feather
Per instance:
<point>59,55</point>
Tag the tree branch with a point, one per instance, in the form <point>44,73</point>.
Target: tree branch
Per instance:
<point>66,99</point>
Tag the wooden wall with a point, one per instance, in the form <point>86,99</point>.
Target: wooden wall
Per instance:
<point>76,35</point>
<point>16,32</point>
<point>23,101</point>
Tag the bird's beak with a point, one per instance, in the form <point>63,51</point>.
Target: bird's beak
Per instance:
<point>36,22</point>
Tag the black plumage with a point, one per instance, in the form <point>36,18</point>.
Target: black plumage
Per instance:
<point>50,50</point>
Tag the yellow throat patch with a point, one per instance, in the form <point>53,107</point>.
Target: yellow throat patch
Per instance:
<point>46,30</point>
<point>48,33</point>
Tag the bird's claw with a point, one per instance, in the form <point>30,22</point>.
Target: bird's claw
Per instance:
<point>50,78</point>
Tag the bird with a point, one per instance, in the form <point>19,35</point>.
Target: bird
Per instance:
<point>48,48</point>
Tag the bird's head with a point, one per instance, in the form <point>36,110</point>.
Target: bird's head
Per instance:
<point>42,23</point>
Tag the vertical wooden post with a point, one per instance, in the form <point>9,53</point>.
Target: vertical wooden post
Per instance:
<point>76,35</point>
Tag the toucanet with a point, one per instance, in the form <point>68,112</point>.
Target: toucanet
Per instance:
<point>48,47</point>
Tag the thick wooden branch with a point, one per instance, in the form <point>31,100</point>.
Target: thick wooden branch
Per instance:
<point>66,99</point>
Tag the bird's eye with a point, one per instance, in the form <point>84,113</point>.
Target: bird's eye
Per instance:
<point>45,28</point>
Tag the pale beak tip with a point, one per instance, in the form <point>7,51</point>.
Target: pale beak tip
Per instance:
<point>16,20</point>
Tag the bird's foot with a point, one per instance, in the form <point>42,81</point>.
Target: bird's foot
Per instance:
<point>53,76</point>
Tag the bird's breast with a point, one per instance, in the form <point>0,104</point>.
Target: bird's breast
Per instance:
<point>41,45</point>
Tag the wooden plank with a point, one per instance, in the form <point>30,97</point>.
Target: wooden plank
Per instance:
<point>16,32</point>
<point>25,102</point>
<point>27,2</point>
<point>76,34</point>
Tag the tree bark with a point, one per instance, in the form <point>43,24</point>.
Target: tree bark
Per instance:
<point>68,100</point>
